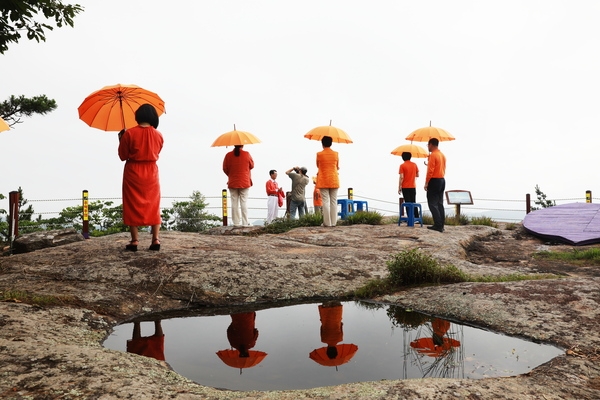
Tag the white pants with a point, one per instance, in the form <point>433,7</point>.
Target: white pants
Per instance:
<point>330,211</point>
<point>239,202</point>
<point>272,208</point>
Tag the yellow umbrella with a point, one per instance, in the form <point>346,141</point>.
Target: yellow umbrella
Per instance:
<point>429,132</point>
<point>413,149</point>
<point>338,135</point>
<point>235,138</point>
<point>3,125</point>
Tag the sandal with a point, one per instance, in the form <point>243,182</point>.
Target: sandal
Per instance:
<point>131,246</point>
<point>155,246</point>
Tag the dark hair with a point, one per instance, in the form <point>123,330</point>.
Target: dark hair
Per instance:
<point>147,113</point>
<point>236,149</point>
<point>406,155</point>
<point>326,141</point>
<point>271,172</point>
<point>434,142</point>
<point>303,170</point>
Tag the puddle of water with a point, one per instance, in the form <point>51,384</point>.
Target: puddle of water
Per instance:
<point>307,346</point>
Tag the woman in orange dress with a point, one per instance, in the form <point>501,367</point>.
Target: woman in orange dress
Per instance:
<point>139,147</point>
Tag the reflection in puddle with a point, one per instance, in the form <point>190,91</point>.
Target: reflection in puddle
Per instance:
<point>313,345</point>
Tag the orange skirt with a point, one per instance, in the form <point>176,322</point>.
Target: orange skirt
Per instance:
<point>141,194</point>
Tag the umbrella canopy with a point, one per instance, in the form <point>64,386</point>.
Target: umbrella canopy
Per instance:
<point>233,358</point>
<point>338,135</point>
<point>235,138</point>
<point>3,125</point>
<point>428,347</point>
<point>413,149</point>
<point>113,108</point>
<point>429,132</point>
<point>344,353</point>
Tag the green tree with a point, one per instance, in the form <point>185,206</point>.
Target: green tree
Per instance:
<point>102,218</point>
<point>542,201</point>
<point>19,16</point>
<point>189,216</point>
<point>13,109</point>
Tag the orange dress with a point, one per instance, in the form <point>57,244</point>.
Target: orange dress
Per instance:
<point>140,147</point>
<point>149,346</point>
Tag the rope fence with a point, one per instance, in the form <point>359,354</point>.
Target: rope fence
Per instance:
<point>501,210</point>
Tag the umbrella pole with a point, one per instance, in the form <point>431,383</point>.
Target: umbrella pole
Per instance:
<point>122,113</point>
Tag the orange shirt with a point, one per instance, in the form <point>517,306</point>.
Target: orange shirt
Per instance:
<point>272,187</point>
<point>409,171</point>
<point>328,165</point>
<point>436,166</point>
<point>238,169</point>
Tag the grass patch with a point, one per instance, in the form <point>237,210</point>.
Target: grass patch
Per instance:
<point>363,217</point>
<point>281,225</point>
<point>587,256</point>
<point>412,267</point>
<point>20,296</point>
<point>487,221</point>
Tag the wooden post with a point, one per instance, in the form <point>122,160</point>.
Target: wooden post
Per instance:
<point>13,217</point>
<point>224,206</point>
<point>86,215</point>
<point>350,194</point>
<point>588,196</point>
<point>457,208</point>
<point>527,203</point>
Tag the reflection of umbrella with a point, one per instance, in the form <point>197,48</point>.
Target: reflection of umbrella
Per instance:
<point>338,135</point>
<point>413,149</point>
<point>3,125</point>
<point>233,358</point>
<point>341,355</point>
<point>235,138</point>
<point>113,108</point>
<point>429,132</point>
<point>428,347</point>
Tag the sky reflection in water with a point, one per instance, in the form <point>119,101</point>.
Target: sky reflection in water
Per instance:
<point>389,343</point>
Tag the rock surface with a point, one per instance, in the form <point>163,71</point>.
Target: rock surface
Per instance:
<point>54,350</point>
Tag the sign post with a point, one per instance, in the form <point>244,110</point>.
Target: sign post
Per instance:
<point>458,197</point>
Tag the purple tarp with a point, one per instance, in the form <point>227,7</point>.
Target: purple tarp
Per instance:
<point>576,223</point>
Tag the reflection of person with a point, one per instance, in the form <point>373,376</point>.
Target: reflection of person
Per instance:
<point>274,192</point>
<point>237,165</point>
<point>139,147</point>
<point>298,196</point>
<point>149,346</point>
<point>331,326</point>
<point>241,333</point>
<point>407,185</point>
<point>317,199</point>
<point>435,184</point>
<point>328,180</point>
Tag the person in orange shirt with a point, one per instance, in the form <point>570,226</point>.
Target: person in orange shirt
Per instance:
<point>273,193</point>
<point>407,185</point>
<point>328,181</point>
<point>435,184</point>
<point>317,199</point>
<point>237,165</point>
<point>139,147</point>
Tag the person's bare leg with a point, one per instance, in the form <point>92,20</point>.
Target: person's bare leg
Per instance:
<point>155,239</point>
<point>134,234</point>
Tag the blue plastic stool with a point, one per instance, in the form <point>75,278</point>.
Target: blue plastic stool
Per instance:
<point>360,205</point>
<point>410,214</point>
<point>347,208</point>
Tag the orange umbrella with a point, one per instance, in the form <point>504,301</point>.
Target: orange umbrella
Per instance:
<point>428,347</point>
<point>429,132</point>
<point>413,149</point>
<point>113,108</point>
<point>3,125</point>
<point>235,138</point>
<point>341,355</point>
<point>338,135</point>
<point>234,359</point>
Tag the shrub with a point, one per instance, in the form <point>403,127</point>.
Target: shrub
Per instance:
<point>487,221</point>
<point>413,267</point>
<point>364,217</point>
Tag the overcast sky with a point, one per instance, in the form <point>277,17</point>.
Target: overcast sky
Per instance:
<point>516,82</point>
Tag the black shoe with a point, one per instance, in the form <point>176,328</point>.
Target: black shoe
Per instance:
<point>131,247</point>
<point>435,228</point>
<point>155,246</point>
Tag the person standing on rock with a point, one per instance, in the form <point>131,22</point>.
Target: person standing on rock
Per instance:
<point>317,199</point>
<point>139,147</point>
<point>275,196</point>
<point>435,184</point>
<point>237,165</point>
<point>407,185</point>
<point>298,196</point>
<point>328,180</point>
